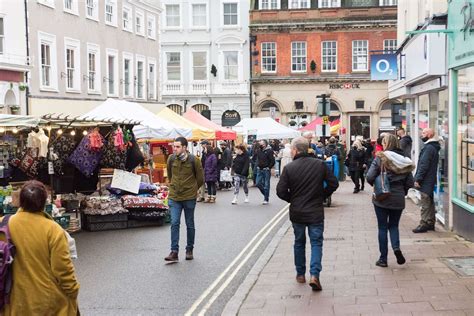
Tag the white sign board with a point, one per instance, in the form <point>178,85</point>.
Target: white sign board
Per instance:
<point>126,181</point>
<point>319,130</point>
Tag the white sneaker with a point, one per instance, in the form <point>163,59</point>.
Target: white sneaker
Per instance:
<point>246,199</point>
<point>234,201</point>
<point>265,203</point>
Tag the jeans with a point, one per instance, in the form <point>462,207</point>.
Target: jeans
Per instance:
<point>428,210</point>
<point>316,238</point>
<point>238,179</point>
<point>176,208</point>
<point>388,222</point>
<point>211,188</point>
<point>263,182</point>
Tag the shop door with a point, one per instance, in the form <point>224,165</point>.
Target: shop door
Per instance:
<point>360,126</point>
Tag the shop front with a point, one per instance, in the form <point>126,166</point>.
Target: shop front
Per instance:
<point>461,67</point>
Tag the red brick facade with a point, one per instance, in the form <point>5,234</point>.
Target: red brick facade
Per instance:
<point>313,41</point>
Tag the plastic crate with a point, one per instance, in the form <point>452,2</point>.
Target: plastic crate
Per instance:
<point>63,220</point>
<point>136,223</point>
<point>105,218</point>
<point>95,227</point>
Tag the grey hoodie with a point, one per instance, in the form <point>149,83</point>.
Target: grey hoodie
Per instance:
<point>399,170</point>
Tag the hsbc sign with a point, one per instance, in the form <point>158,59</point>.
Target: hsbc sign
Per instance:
<point>347,85</point>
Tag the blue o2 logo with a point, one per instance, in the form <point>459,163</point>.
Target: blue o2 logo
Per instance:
<point>383,67</point>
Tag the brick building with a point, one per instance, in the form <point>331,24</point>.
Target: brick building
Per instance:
<point>302,48</point>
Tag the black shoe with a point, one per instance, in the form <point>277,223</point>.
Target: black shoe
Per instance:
<point>189,255</point>
<point>172,257</point>
<point>431,227</point>
<point>356,190</point>
<point>362,188</point>
<point>381,263</point>
<point>400,258</point>
<point>421,229</point>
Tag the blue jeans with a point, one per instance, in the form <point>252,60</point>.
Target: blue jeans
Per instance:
<point>176,208</point>
<point>315,233</point>
<point>388,222</point>
<point>263,182</point>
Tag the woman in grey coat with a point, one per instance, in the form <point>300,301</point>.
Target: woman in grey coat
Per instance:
<point>389,211</point>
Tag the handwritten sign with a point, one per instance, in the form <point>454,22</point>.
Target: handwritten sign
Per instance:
<point>126,181</point>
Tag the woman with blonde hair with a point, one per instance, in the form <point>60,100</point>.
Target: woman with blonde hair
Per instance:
<point>356,162</point>
<point>398,170</point>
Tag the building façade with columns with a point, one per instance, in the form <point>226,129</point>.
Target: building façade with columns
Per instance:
<point>302,49</point>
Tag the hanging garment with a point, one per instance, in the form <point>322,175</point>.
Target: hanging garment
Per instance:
<point>134,155</point>
<point>85,159</point>
<point>63,146</point>
<point>118,139</point>
<point>112,156</point>
<point>96,140</point>
<point>31,141</point>
<point>42,142</point>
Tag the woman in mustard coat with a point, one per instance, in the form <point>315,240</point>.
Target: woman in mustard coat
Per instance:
<point>44,280</point>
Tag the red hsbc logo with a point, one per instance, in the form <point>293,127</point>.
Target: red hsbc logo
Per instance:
<point>347,85</point>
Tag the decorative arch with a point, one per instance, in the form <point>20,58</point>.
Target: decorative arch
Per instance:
<point>386,101</point>
<point>265,105</point>
<point>200,107</point>
<point>176,108</point>
<point>10,98</point>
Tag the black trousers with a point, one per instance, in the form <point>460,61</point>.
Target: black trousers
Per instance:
<point>358,179</point>
<point>211,188</point>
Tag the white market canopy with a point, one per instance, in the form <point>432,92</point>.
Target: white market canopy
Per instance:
<point>265,128</point>
<point>11,120</point>
<point>151,126</point>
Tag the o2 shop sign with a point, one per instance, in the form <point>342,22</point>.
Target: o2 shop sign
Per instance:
<point>383,67</point>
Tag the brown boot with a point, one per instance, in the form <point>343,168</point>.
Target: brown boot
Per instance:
<point>315,284</point>
<point>208,200</point>
<point>300,279</point>
<point>189,255</point>
<point>173,256</point>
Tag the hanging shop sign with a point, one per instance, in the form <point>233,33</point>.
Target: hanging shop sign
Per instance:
<point>347,85</point>
<point>383,67</point>
<point>230,118</point>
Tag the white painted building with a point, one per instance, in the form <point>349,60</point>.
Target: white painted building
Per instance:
<point>85,51</point>
<point>13,57</point>
<point>198,36</point>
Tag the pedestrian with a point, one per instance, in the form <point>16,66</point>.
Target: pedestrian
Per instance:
<point>342,167</point>
<point>378,145</point>
<point>426,179</point>
<point>398,169</point>
<point>356,162</point>
<point>240,171</point>
<point>405,141</point>
<point>224,163</point>
<point>253,160</point>
<point>202,189</point>
<point>185,175</point>
<point>331,148</point>
<point>312,149</point>
<point>44,280</point>
<point>285,154</point>
<point>211,174</point>
<point>305,183</point>
<point>265,163</point>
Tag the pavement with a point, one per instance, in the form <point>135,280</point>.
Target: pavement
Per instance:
<point>123,272</point>
<point>352,284</point>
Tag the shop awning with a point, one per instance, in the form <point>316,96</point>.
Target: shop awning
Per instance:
<point>198,132</point>
<point>265,128</point>
<point>335,125</point>
<point>10,120</point>
<point>151,126</point>
<point>222,133</point>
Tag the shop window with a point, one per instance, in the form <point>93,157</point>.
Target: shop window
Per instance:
<point>465,163</point>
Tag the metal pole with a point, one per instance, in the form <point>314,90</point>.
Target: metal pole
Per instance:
<point>324,115</point>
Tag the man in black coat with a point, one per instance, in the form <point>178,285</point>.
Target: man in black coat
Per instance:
<point>405,142</point>
<point>265,162</point>
<point>305,183</point>
<point>426,179</point>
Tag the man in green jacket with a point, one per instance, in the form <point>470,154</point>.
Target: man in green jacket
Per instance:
<point>185,176</point>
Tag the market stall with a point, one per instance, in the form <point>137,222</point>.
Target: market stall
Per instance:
<point>198,132</point>
<point>264,128</point>
<point>334,124</point>
<point>222,133</point>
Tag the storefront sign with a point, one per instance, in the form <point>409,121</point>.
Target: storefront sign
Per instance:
<point>348,85</point>
<point>461,23</point>
<point>383,67</point>
<point>230,118</point>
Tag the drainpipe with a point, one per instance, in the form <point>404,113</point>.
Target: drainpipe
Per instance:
<point>27,91</point>
<point>252,42</point>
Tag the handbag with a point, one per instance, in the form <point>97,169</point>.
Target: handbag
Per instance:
<point>381,186</point>
<point>225,176</point>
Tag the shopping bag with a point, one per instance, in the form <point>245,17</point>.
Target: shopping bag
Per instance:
<point>226,176</point>
<point>414,195</point>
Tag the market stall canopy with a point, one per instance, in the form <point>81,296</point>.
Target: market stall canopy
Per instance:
<point>265,128</point>
<point>335,125</point>
<point>222,133</point>
<point>199,132</point>
<point>10,120</point>
<point>151,126</point>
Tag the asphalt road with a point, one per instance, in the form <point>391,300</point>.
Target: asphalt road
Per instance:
<point>123,272</point>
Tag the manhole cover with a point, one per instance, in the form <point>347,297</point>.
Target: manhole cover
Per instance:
<point>334,238</point>
<point>462,265</point>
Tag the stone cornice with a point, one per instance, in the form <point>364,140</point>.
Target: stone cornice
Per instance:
<point>280,26</point>
<point>293,80</point>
